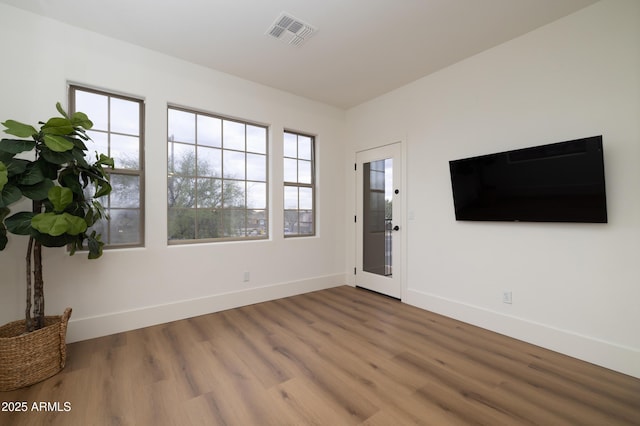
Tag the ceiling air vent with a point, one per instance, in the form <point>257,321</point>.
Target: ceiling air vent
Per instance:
<point>290,30</point>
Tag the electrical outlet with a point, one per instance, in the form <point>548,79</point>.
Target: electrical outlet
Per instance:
<point>246,276</point>
<point>506,297</point>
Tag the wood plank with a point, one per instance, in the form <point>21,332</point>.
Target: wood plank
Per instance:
<point>340,356</point>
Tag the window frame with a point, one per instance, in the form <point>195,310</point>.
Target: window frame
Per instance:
<point>139,172</point>
<point>312,185</point>
<point>245,180</point>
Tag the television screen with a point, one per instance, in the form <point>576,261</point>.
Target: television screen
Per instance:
<point>559,182</point>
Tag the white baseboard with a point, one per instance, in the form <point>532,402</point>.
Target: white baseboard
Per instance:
<point>616,357</point>
<point>103,325</point>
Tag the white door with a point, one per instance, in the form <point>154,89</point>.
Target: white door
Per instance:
<point>378,219</point>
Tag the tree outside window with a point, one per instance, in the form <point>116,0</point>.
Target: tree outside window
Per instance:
<point>217,178</point>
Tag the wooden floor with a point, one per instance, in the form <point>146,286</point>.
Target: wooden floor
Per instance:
<point>342,356</point>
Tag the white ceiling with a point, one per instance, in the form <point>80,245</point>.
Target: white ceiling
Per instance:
<point>362,48</point>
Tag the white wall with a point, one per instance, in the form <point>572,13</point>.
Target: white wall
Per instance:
<point>132,288</point>
<point>575,287</point>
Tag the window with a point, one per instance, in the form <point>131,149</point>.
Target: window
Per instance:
<point>118,131</point>
<point>299,185</point>
<point>217,178</point>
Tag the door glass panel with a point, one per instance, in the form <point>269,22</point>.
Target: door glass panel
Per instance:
<point>376,226</point>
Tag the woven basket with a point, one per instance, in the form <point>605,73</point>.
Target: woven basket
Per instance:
<point>32,357</point>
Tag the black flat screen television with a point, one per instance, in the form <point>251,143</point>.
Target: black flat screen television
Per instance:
<point>558,182</point>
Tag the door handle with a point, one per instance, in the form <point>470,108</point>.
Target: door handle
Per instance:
<point>396,228</point>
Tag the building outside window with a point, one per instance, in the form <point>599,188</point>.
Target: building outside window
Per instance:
<point>217,178</point>
<point>118,131</point>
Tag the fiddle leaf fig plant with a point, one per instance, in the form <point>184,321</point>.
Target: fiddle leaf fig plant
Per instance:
<point>49,166</point>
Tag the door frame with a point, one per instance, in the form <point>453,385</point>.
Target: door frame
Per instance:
<point>399,267</point>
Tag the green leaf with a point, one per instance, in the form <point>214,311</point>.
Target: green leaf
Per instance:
<point>77,208</point>
<point>57,224</point>
<point>61,110</point>
<point>16,146</point>
<point>74,246</point>
<point>9,195</point>
<point>102,188</point>
<point>6,157</point>
<point>3,237</point>
<point>80,119</point>
<point>95,212</point>
<point>83,135</point>
<point>39,191</point>
<point>4,175</point>
<point>60,197</point>
<point>32,175</point>
<point>58,143</point>
<point>18,129</point>
<point>51,241</point>
<point>77,141</point>
<point>85,179</point>
<point>57,157</point>
<point>4,211</point>
<point>95,245</point>
<point>16,166</point>
<point>69,178</point>
<point>49,170</point>
<point>58,126</point>
<point>19,223</point>
<point>106,161</point>
<point>79,157</point>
